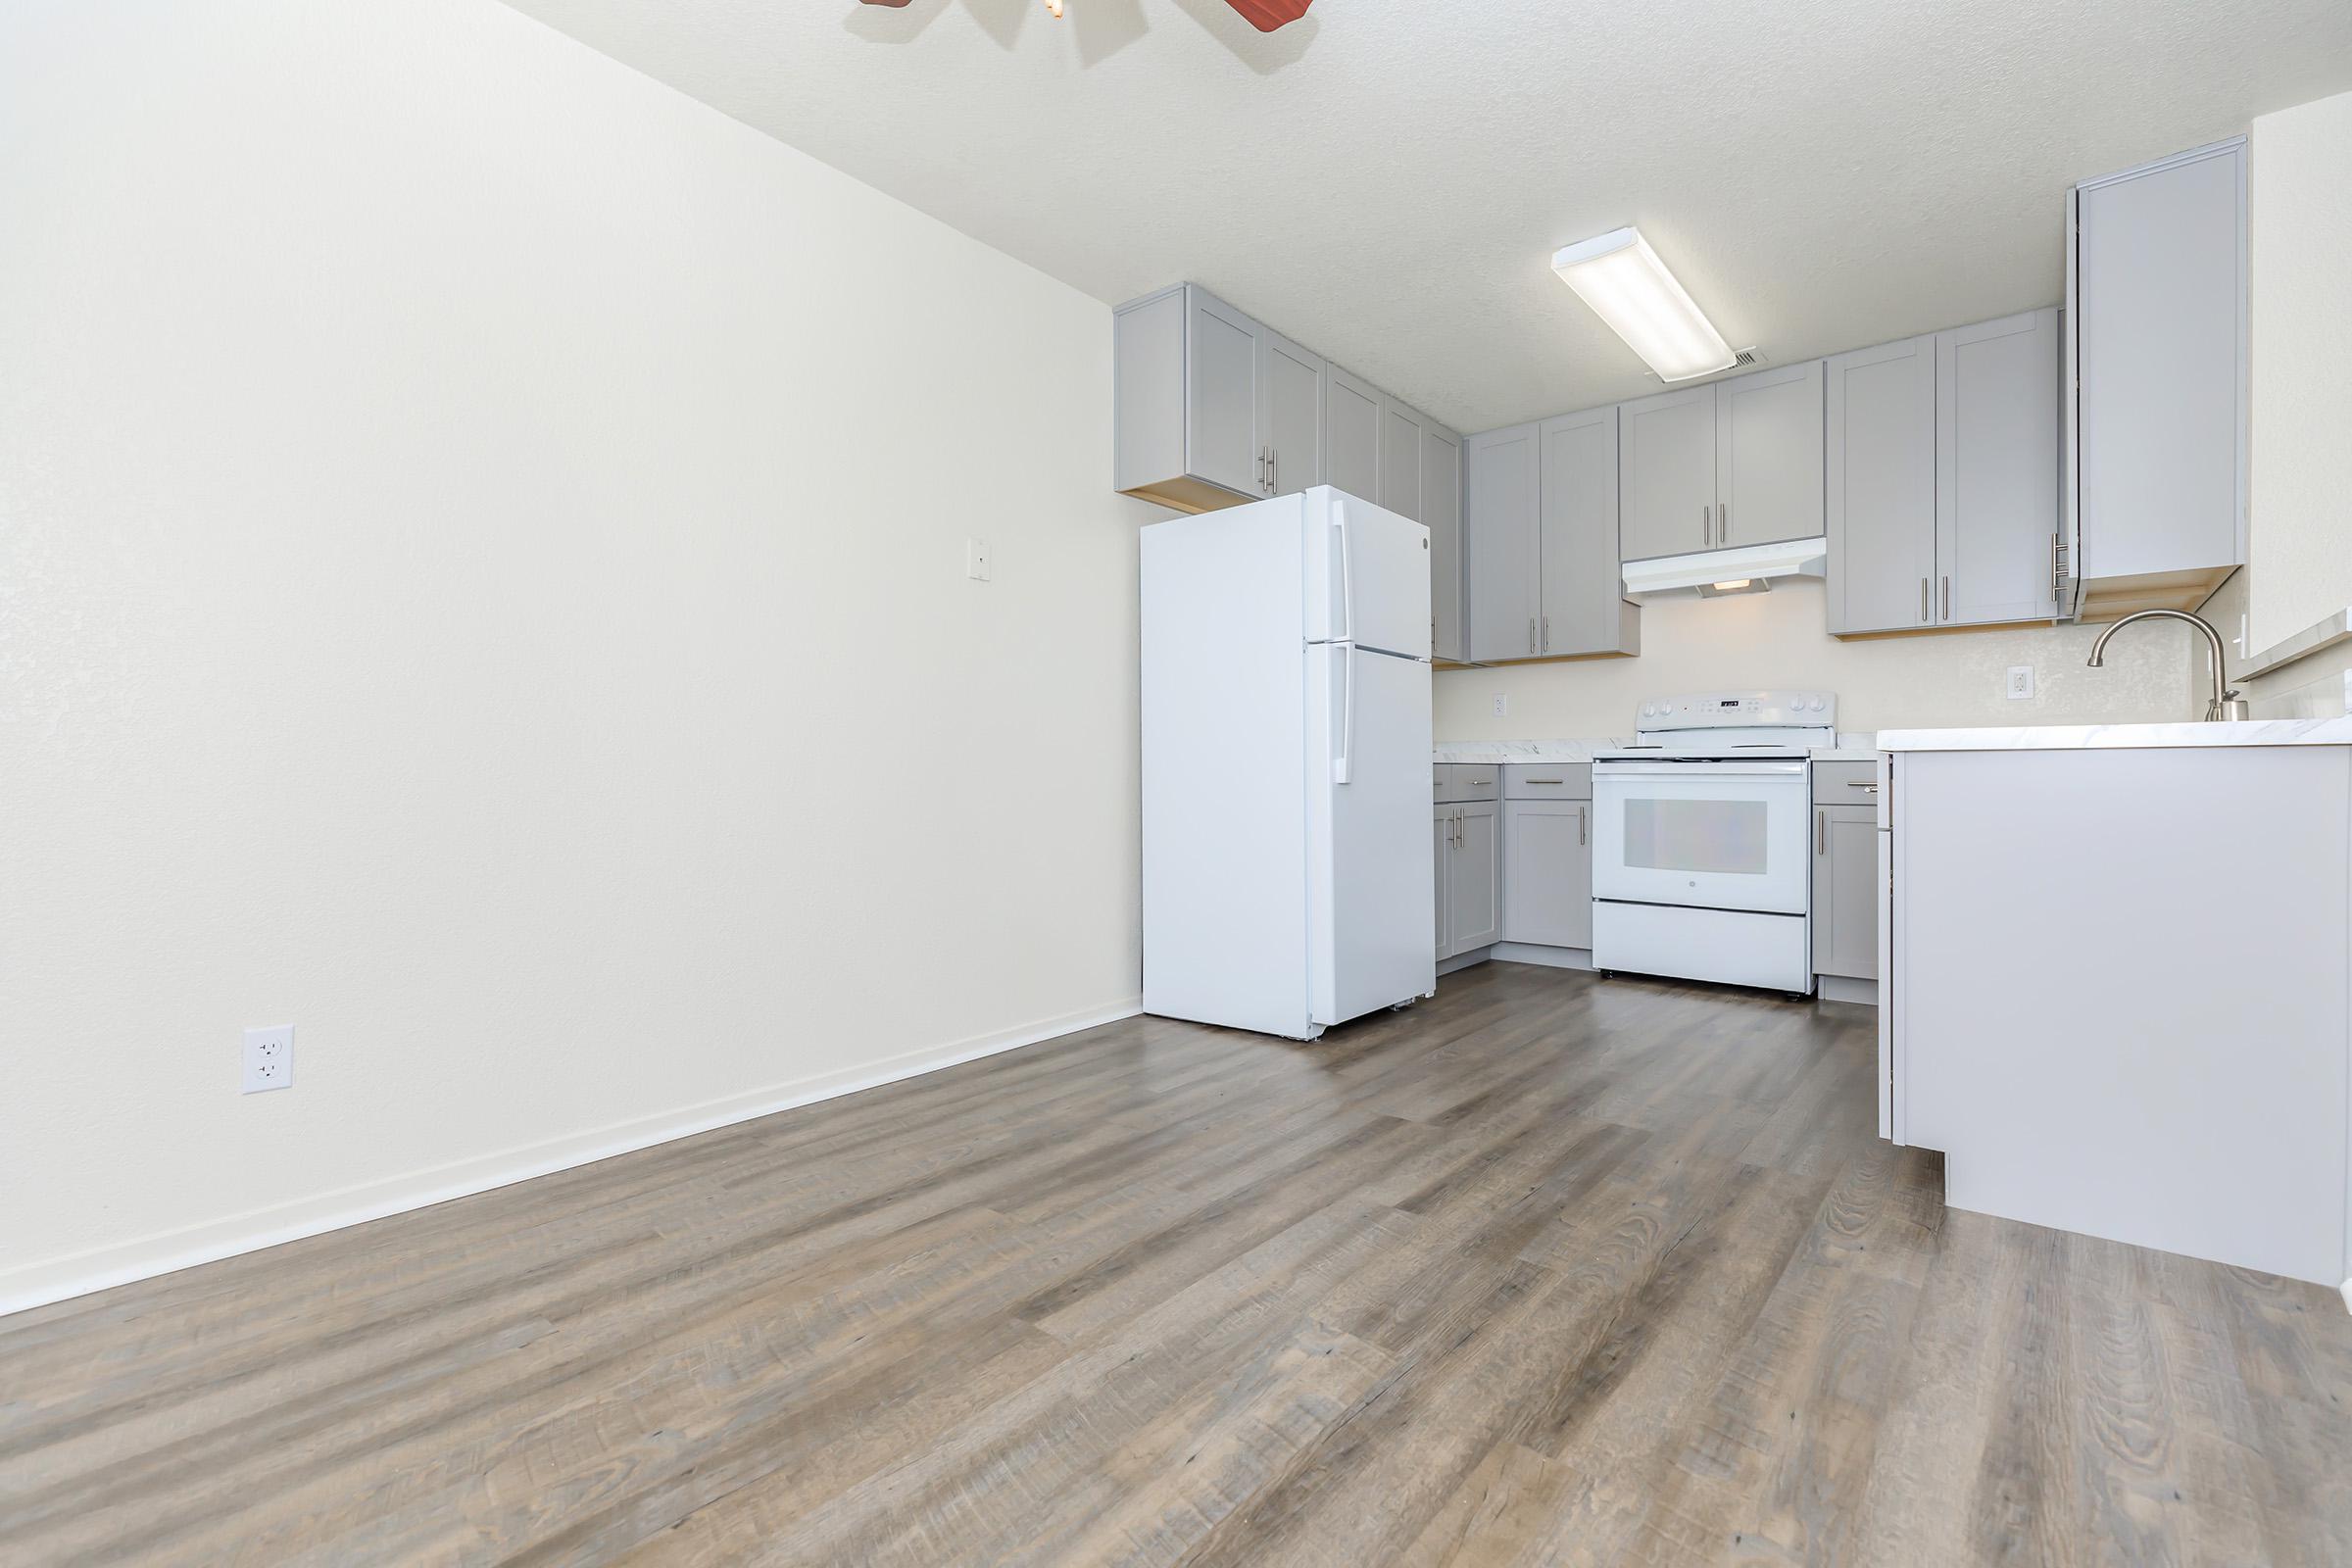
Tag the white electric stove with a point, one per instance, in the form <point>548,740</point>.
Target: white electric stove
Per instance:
<point>1702,862</point>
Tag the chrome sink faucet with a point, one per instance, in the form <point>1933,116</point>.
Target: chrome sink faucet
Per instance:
<point>2226,705</point>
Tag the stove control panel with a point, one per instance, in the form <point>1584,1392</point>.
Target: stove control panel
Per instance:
<point>1750,709</point>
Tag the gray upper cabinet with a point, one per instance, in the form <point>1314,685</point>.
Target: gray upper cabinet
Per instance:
<point>1442,512</point>
<point>1943,479</point>
<point>1881,478</point>
<point>1352,421</point>
<point>1502,530</point>
<point>1209,407</point>
<point>1221,425</point>
<point>2158,289</point>
<point>1768,439</point>
<point>1291,387</point>
<point>1666,473</point>
<point>1583,608</point>
<point>1399,459</point>
<point>1996,470</point>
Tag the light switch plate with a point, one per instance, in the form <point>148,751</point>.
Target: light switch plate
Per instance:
<point>976,562</point>
<point>2021,682</point>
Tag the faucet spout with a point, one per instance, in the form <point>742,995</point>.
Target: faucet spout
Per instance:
<point>2226,705</point>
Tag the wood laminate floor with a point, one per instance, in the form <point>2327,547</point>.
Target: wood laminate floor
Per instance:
<point>1550,1270</point>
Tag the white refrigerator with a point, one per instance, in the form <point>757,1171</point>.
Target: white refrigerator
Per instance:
<point>1288,874</point>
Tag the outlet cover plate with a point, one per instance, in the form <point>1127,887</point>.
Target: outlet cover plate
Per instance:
<point>2021,682</point>
<point>269,1057</point>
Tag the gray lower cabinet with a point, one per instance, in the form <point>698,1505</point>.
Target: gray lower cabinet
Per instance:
<point>1548,872</point>
<point>1469,881</point>
<point>1845,890</point>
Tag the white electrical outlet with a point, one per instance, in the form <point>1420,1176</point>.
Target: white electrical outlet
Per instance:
<point>1502,704</point>
<point>269,1057</point>
<point>2021,682</point>
<point>976,564</point>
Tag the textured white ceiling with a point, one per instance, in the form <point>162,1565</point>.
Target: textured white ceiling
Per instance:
<point>1385,180</point>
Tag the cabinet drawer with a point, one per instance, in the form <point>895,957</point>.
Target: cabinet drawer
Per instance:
<point>1846,783</point>
<point>1457,782</point>
<point>1547,781</point>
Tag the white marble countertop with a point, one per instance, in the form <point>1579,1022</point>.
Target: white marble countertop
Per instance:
<point>1851,748</point>
<point>2103,737</point>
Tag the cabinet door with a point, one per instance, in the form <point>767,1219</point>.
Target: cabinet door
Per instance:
<point>1881,486</point>
<point>1442,840</point>
<point>1500,537</point>
<point>1290,382</point>
<point>1666,473</point>
<point>1351,436</point>
<point>1768,457</point>
<point>1996,470</point>
<point>1441,511</point>
<point>2160,267</point>
<point>1581,586</point>
<point>1222,424</point>
<point>1846,885</point>
<point>1548,872</point>
<point>1401,459</point>
<point>1473,879</point>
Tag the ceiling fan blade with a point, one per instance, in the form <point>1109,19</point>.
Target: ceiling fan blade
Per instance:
<point>896,4</point>
<point>1267,14</point>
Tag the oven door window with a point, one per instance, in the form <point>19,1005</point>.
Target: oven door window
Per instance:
<point>1721,837</point>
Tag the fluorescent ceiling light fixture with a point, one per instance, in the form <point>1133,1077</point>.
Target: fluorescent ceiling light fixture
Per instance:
<point>1622,278</point>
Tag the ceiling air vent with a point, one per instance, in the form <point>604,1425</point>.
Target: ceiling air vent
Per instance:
<point>1742,360</point>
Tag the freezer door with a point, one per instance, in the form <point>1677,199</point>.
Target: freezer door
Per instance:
<point>1371,878</point>
<point>1367,574</point>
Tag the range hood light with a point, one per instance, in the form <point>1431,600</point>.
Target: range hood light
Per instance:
<point>1621,278</point>
<point>1738,585</point>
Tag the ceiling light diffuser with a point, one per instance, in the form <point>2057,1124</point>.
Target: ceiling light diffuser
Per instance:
<point>1621,278</point>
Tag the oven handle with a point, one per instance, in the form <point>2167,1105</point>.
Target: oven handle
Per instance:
<point>1710,770</point>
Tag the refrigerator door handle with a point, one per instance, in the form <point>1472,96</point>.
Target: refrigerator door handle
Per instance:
<point>1346,758</point>
<point>1339,520</point>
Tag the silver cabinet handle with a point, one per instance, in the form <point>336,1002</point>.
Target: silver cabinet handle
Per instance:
<point>1821,832</point>
<point>1923,601</point>
<point>1531,634</point>
<point>2053,565</point>
<point>1548,634</point>
<point>1706,526</point>
<point>1947,598</point>
<point>1580,825</point>
<point>1723,522</point>
<point>1547,781</point>
<point>1861,784</point>
<point>1274,460</point>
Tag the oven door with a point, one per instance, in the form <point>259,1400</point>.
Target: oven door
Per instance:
<point>1715,835</point>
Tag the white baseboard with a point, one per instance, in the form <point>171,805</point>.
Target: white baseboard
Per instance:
<point>167,1252</point>
<point>1549,957</point>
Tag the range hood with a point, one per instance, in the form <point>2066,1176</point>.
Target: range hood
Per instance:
<point>1743,563</point>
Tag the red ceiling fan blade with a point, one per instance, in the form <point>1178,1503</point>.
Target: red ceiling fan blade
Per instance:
<point>1267,14</point>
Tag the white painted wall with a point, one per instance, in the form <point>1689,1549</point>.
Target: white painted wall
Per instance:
<point>481,578</point>
<point>1776,640</point>
<point>2300,199</point>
